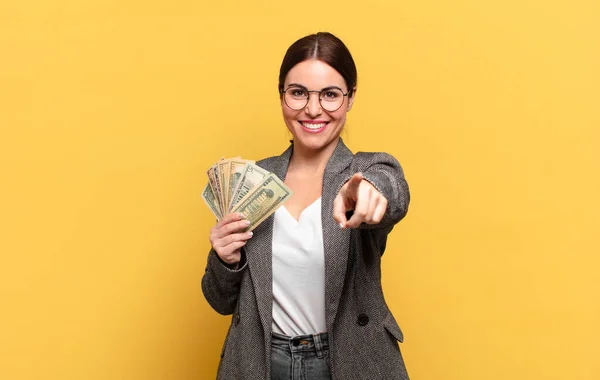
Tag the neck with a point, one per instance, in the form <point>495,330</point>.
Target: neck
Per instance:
<point>310,160</point>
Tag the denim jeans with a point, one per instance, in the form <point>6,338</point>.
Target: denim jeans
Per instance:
<point>304,357</point>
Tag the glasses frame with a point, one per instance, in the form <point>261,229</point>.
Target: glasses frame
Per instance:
<point>317,91</point>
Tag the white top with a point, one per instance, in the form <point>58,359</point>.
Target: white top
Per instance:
<point>298,272</point>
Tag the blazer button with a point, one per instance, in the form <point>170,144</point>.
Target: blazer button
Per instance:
<point>237,319</point>
<point>363,319</point>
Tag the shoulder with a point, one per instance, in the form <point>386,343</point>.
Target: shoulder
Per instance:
<point>364,160</point>
<point>268,162</point>
<point>276,163</point>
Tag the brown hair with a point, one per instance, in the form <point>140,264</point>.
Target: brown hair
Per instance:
<point>324,47</point>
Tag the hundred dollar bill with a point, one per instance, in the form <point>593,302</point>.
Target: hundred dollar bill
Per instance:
<point>251,176</point>
<point>263,200</point>
<point>209,198</point>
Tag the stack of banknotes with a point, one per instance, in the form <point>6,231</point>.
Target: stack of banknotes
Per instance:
<point>240,186</point>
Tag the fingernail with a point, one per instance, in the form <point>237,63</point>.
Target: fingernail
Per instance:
<point>247,222</point>
<point>250,234</point>
<point>341,225</point>
<point>240,215</point>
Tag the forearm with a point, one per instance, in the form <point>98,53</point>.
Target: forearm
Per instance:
<point>221,285</point>
<point>384,172</point>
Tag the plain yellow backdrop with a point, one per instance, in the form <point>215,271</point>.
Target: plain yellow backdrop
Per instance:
<point>111,111</point>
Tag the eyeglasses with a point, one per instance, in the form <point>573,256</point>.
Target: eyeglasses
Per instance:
<point>330,98</point>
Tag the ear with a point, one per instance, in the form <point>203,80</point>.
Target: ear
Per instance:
<point>351,98</point>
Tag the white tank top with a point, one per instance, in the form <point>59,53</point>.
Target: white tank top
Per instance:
<point>298,272</point>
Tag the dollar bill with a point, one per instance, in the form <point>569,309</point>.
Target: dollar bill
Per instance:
<point>251,176</point>
<point>213,184</point>
<point>236,169</point>
<point>223,172</point>
<point>218,188</point>
<point>262,200</point>
<point>209,198</point>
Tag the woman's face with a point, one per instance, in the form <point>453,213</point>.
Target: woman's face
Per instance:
<point>312,126</point>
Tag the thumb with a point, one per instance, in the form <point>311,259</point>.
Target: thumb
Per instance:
<point>339,211</point>
<point>344,198</point>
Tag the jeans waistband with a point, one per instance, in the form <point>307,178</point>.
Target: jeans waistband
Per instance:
<point>313,342</point>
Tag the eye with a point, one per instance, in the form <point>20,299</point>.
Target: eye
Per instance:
<point>331,95</point>
<point>298,92</point>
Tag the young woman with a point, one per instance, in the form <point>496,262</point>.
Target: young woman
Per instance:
<point>305,287</point>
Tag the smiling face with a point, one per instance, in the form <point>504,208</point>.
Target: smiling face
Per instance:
<point>313,127</point>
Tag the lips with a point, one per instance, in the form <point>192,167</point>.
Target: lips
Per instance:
<point>313,126</point>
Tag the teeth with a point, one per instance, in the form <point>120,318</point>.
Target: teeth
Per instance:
<point>314,126</point>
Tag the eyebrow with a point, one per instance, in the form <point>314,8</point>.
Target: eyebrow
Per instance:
<point>304,87</point>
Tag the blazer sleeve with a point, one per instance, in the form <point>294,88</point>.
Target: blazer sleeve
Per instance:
<point>384,172</point>
<point>221,285</point>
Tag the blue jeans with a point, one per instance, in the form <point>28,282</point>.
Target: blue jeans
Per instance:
<point>304,357</point>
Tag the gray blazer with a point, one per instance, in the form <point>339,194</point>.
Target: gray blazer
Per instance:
<point>363,334</point>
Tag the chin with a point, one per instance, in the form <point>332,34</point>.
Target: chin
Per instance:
<point>315,143</point>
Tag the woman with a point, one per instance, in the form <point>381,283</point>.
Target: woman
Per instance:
<point>305,290</point>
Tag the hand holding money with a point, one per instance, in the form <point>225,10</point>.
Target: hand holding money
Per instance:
<point>227,238</point>
<point>240,186</point>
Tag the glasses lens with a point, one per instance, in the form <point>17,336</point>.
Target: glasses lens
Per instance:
<point>332,99</point>
<point>296,97</point>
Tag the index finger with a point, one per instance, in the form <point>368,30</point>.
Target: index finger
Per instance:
<point>353,184</point>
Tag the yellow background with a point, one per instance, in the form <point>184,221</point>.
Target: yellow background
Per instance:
<point>111,111</point>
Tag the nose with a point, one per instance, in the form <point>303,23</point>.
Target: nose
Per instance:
<point>313,107</point>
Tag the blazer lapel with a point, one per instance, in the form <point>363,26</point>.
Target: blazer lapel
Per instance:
<point>260,262</point>
<point>335,241</point>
